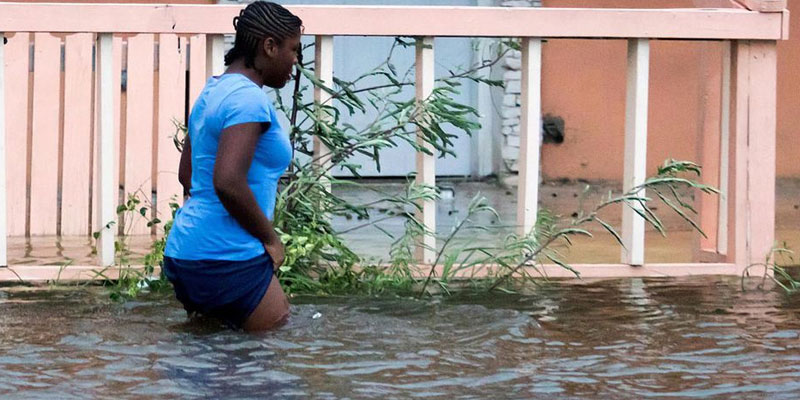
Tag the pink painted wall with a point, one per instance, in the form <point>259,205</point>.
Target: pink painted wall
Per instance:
<point>789,98</point>
<point>584,83</point>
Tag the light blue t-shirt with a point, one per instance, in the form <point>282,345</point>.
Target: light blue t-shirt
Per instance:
<point>203,228</point>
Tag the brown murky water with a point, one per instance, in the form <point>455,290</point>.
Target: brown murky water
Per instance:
<point>687,338</point>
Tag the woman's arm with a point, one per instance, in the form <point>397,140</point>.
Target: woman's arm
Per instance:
<point>235,152</point>
<point>185,168</point>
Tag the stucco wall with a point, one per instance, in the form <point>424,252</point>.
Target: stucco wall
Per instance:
<point>584,83</point>
<point>789,99</point>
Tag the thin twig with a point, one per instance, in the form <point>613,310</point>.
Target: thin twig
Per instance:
<point>524,261</point>
<point>439,255</point>
<point>366,224</point>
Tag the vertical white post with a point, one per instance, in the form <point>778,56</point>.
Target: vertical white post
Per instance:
<point>426,163</point>
<point>105,150</point>
<point>724,149</point>
<point>323,70</point>
<point>3,211</point>
<point>530,143</point>
<point>482,157</point>
<point>635,146</point>
<point>215,55</point>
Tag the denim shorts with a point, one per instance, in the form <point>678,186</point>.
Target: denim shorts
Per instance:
<point>228,290</point>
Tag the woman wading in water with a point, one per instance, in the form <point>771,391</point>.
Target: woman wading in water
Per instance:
<point>223,249</point>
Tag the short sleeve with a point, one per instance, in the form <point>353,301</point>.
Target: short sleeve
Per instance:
<point>245,105</point>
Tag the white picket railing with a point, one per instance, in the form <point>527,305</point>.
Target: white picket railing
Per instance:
<point>61,130</point>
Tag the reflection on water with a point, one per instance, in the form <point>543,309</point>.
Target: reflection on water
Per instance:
<point>634,338</point>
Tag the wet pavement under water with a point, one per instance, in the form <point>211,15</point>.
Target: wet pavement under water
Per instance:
<point>632,338</point>
<point>373,243</point>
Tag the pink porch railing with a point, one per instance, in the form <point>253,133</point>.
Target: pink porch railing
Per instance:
<point>70,138</point>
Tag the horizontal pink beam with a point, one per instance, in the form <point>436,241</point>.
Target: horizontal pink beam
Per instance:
<point>54,273</point>
<point>404,21</point>
<point>33,274</point>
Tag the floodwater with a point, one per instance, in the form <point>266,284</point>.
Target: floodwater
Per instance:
<point>632,338</point>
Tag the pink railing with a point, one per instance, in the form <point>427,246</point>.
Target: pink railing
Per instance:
<point>51,119</point>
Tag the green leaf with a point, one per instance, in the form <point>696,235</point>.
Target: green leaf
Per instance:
<point>611,230</point>
<point>682,214</point>
<point>574,231</point>
<point>562,264</point>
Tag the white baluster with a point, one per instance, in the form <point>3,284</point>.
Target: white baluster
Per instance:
<point>426,163</point>
<point>530,135</point>
<point>635,147</point>
<point>104,157</point>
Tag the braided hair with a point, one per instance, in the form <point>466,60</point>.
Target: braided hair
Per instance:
<point>256,22</point>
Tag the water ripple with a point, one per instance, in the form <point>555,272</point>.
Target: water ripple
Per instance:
<point>690,338</point>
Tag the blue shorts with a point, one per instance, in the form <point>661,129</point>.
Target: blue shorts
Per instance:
<point>229,290</point>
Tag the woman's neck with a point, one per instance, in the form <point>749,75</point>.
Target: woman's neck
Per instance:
<point>238,67</point>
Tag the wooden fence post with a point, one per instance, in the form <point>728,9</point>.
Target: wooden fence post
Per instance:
<point>105,210</point>
<point>752,176</point>
<point>635,147</point>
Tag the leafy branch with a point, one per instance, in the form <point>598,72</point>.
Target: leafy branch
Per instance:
<point>668,177</point>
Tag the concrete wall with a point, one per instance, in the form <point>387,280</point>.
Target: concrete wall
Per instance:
<point>509,120</point>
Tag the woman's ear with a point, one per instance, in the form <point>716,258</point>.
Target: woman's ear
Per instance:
<point>270,47</point>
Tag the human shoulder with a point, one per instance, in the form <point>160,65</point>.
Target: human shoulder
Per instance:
<point>239,86</point>
<point>244,102</point>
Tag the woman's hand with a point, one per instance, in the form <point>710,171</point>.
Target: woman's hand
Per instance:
<point>235,154</point>
<point>277,252</point>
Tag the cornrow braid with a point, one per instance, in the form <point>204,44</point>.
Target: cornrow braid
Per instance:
<point>256,22</point>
